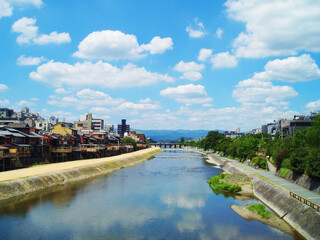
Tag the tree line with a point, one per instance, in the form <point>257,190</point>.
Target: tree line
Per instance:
<point>299,153</point>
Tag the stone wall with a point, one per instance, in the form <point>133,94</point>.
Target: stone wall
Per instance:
<point>13,188</point>
<point>302,218</point>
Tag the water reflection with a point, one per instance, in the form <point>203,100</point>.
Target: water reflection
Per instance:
<point>164,198</point>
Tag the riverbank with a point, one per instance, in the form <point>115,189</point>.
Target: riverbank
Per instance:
<point>19,182</point>
<point>300,217</point>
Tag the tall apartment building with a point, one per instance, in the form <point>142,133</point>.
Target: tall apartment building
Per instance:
<point>123,127</point>
<point>88,123</point>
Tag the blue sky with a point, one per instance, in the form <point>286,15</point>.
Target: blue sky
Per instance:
<point>162,64</point>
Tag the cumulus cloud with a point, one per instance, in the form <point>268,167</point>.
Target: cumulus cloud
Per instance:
<point>29,33</point>
<point>257,94</point>
<point>29,61</point>
<point>115,45</point>
<point>187,94</point>
<point>98,74</point>
<point>6,6</point>
<point>224,60</point>
<point>313,105</point>
<point>219,33</point>
<point>60,91</point>
<point>292,69</point>
<point>5,9</point>
<point>204,54</point>
<point>196,30</point>
<point>272,29</point>
<point>190,70</point>
<point>3,87</point>
<point>158,45</point>
<point>85,98</point>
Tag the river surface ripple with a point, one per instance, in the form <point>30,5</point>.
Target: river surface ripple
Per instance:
<point>163,198</point>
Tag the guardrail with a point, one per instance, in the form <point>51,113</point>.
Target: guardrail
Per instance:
<point>305,201</point>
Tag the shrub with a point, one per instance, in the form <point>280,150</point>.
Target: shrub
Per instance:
<point>286,163</point>
<point>263,163</point>
<point>283,172</point>
<point>259,209</point>
<point>255,160</point>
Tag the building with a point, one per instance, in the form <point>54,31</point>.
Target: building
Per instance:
<point>64,129</point>
<point>85,122</point>
<point>109,127</point>
<point>6,113</point>
<point>298,123</point>
<point>97,124</point>
<point>233,134</point>
<point>123,127</point>
<point>53,120</point>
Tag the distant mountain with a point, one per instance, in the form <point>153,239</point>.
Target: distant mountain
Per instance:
<point>174,135</point>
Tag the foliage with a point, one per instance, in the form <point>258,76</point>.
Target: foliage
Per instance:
<point>299,153</point>
<point>313,163</point>
<point>263,163</point>
<point>259,209</point>
<point>181,140</point>
<point>286,163</point>
<point>130,141</point>
<point>283,172</point>
<point>218,185</point>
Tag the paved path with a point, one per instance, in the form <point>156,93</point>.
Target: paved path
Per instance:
<point>312,196</point>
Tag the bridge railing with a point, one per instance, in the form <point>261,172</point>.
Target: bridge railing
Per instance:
<point>305,201</point>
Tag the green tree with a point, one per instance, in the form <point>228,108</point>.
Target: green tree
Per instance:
<point>313,132</point>
<point>211,140</point>
<point>181,140</point>
<point>224,143</point>
<point>247,145</point>
<point>130,141</point>
<point>299,153</point>
<point>313,163</point>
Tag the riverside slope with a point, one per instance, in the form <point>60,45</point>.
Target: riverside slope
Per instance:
<point>302,218</point>
<point>33,179</point>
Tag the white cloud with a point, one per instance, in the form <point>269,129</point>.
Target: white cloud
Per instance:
<point>36,3</point>
<point>29,33</point>
<point>188,67</point>
<point>269,95</point>
<point>292,69</point>
<point>196,30</point>
<point>313,105</point>
<point>4,103</point>
<point>3,87</point>
<point>54,37</point>
<point>5,9</point>
<point>187,94</point>
<point>29,61</point>
<point>6,6</point>
<point>204,54</point>
<point>60,91</point>
<point>115,45</point>
<point>190,70</point>
<point>224,60</point>
<point>158,45</point>
<point>85,98</point>
<point>273,30</point>
<point>147,100</point>
<point>25,103</point>
<point>98,74</point>
<point>25,26</point>
<point>219,33</point>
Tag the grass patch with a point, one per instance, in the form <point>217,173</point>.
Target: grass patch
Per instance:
<point>259,209</point>
<point>283,172</point>
<point>218,184</point>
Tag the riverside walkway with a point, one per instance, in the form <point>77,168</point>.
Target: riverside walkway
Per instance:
<point>284,184</point>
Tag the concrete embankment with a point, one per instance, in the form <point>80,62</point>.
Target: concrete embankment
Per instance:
<point>302,218</point>
<point>23,181</point>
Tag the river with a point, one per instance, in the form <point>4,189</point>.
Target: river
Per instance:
<point>166,197</point>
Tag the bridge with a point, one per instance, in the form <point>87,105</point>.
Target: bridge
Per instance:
<point>168,145</point>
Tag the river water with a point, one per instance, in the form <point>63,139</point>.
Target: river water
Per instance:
<point>163,198</point>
